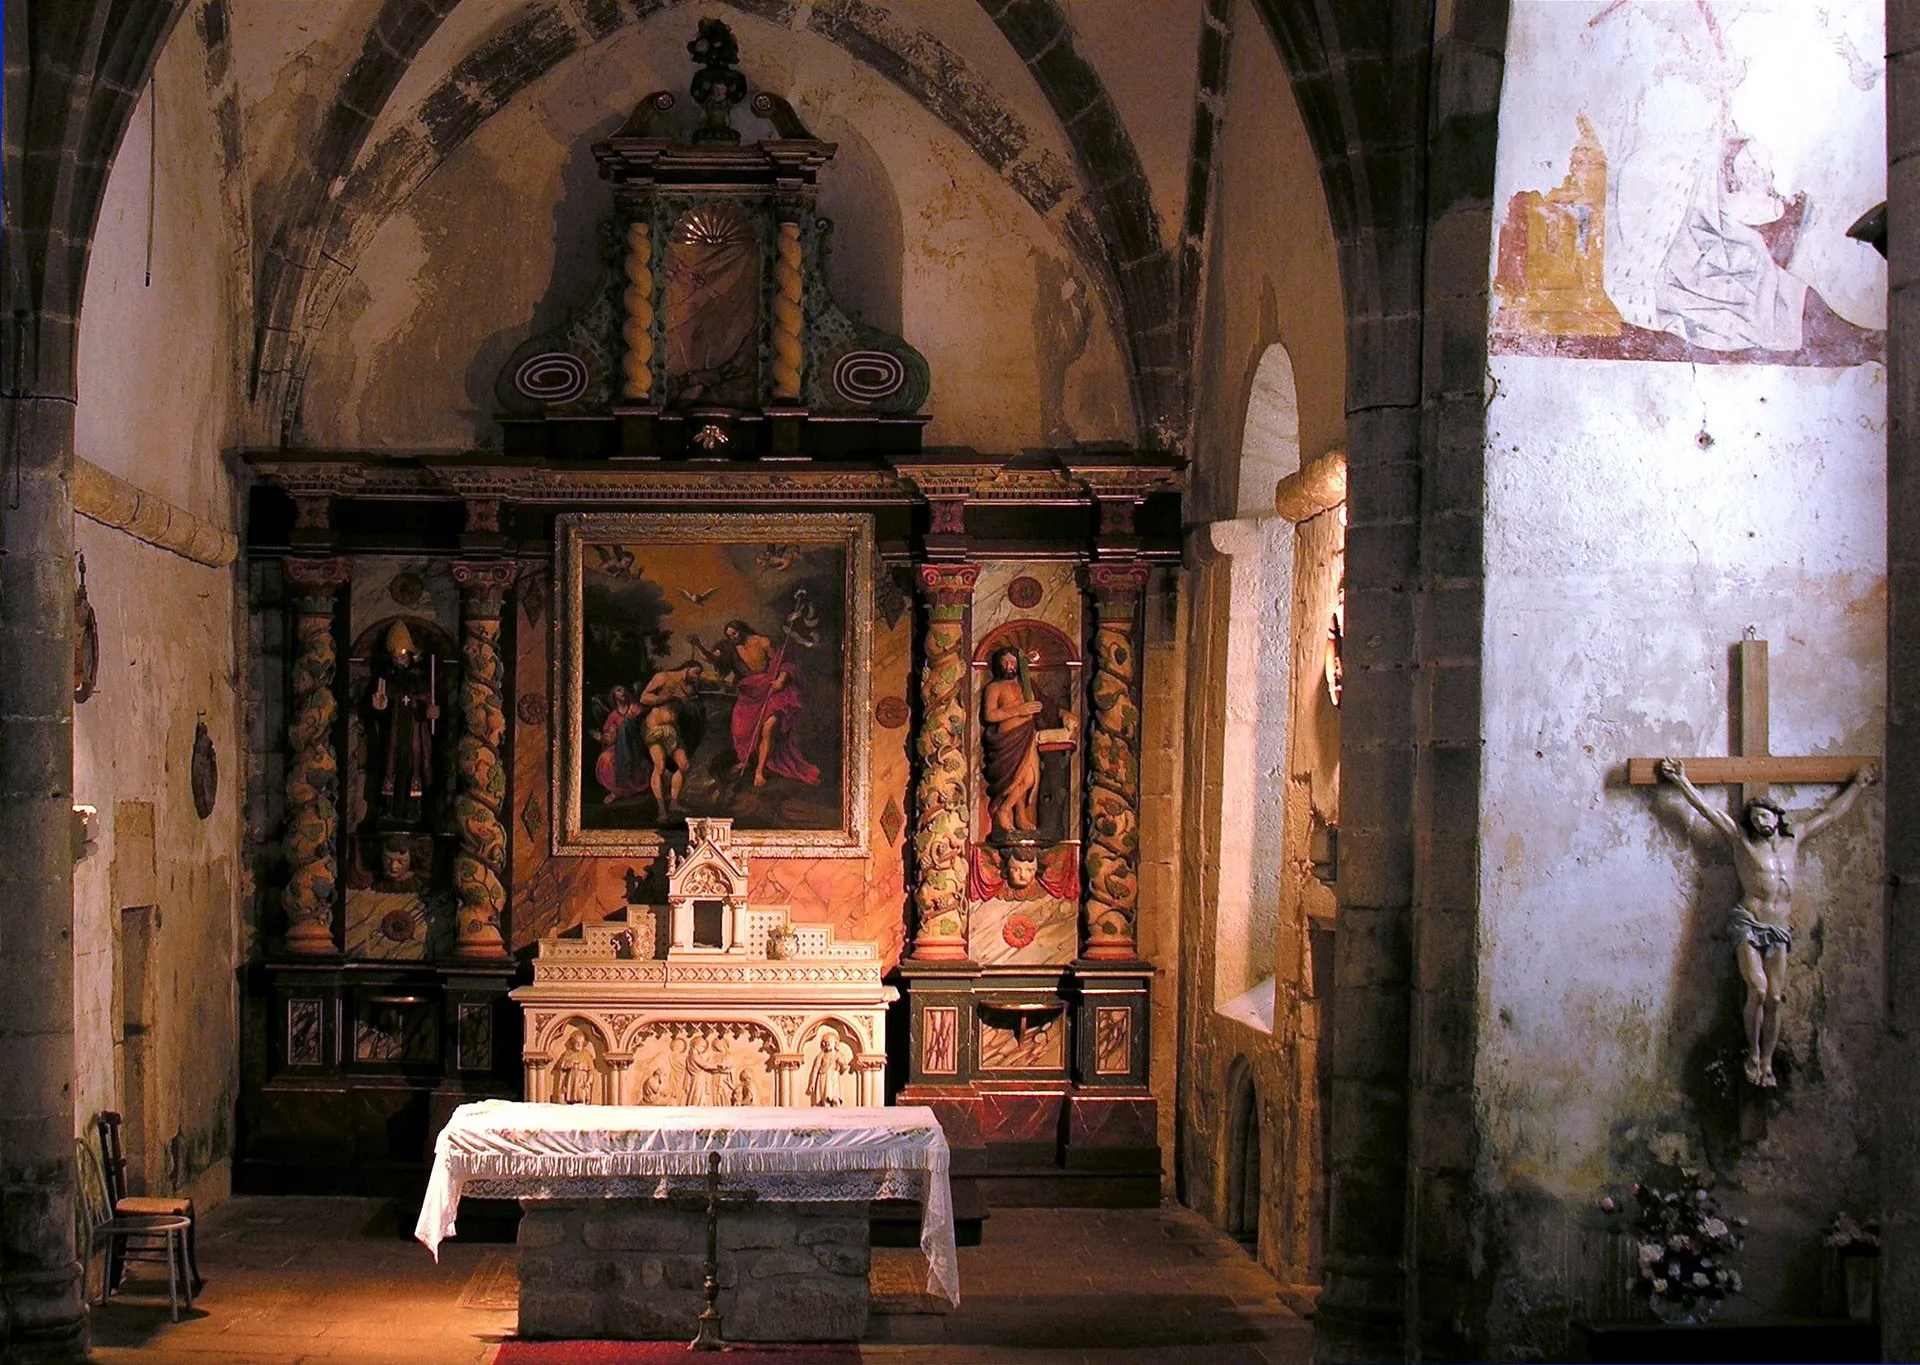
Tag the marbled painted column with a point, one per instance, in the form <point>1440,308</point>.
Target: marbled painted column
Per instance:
<point>313,770</point>
<point>479,870</point>
<point>1113,766</point>
<point>788,283</point>
<point>940,815</point>
<point>637,366</point>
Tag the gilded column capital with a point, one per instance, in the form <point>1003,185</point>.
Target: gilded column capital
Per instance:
<point>1116,585</point>
<point>316,581</point>
<point>947,585</point>
<point>484,583</point>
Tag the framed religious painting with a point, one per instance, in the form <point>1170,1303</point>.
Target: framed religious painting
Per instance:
<point>713,665</point>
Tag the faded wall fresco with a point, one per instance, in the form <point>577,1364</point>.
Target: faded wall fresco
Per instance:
<point>1668,198</point>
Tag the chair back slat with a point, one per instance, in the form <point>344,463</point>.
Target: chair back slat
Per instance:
<point>90,1200</point>
<point>112,1160</point>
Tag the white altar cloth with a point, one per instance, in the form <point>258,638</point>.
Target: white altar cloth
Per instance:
<point>511,1150</point>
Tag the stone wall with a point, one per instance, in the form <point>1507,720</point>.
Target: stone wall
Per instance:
<point>155,909</point>
<point>632,1269</point>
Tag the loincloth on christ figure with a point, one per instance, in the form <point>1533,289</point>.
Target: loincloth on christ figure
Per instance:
<point>1741,924</point>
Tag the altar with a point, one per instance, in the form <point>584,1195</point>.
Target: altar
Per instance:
<point>604,1252</point>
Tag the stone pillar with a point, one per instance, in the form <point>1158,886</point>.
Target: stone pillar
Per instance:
<point>940,815</point>
<point>786,1078</point>
<point>479,870</point>
<point>313,770</point>
<point>41,1314</point>
<point>1899,1156</point>
<point>870,1079</point>
<point>1113,764</point>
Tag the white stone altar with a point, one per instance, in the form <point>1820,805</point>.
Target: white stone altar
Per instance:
<point>729,1006</point>
<point>605,1253</point>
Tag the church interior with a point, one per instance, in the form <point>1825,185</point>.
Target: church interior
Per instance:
<point>1250,603</point>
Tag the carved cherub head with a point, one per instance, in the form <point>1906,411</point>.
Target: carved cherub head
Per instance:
<point>396,862</point>
<point>1021,864</point>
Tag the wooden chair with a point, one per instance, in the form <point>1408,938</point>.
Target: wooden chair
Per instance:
<point>114,1163</point>
<point>162,1234</point>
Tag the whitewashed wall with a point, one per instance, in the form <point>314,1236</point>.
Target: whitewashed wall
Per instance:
<point>1642,513</point>
<point>153,385</point>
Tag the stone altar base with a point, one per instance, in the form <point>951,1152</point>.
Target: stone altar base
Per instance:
<point>630,1269</point>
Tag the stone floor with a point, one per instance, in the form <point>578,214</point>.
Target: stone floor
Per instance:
<point>337,1281</point>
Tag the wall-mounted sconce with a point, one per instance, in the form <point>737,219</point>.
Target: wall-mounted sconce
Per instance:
<point>83,840</point>
<point>1323,851</point>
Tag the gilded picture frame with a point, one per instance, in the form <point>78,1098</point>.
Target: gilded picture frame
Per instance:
<point>712,664</point>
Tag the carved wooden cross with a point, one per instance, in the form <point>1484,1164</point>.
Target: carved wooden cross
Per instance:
<point>1751,766</point>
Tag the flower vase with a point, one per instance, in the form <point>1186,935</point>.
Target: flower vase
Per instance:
<point>1687,1312</point>
<point>1859,1280</point>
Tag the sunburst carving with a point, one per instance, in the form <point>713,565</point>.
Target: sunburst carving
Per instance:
<point>714,225</point>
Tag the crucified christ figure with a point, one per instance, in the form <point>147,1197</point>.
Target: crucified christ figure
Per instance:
<point>1767,857</point>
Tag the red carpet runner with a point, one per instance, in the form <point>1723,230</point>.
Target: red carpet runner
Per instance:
<point>667,1353</point>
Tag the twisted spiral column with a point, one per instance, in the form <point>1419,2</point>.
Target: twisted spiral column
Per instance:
<point>637,367</point>
<point>940,814</point>
<point>479,869</point>
<point>313,773</point>
<point>1113,796</point>
<point>788,282</point>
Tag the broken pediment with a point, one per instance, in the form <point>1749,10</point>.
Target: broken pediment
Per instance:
<point>716,335</point>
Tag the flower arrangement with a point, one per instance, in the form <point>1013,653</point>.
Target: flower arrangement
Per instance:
<point>1682,1243</point>
<point>1852,1239</point>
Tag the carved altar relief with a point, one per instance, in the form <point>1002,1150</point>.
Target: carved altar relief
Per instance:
<point>716,1020</point>
<point>703,1063</point>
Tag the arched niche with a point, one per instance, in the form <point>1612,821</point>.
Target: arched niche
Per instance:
<point>1243,1156</point>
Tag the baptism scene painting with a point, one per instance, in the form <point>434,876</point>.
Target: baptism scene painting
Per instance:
<point>1694,216</point>
<point>712,667</point>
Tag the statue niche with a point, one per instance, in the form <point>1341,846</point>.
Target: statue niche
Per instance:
<point>579,1067</point>
<point>713,308</point>
<point>402,676</point>
<point>1029,732</point>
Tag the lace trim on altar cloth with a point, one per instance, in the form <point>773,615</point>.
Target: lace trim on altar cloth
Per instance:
<point>506,1150</point>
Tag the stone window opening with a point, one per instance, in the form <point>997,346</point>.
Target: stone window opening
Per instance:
<point>1257,547</point>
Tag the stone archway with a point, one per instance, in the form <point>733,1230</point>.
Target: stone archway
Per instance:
<point>1409,183</point>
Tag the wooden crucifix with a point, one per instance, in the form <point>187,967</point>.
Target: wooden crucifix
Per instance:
<point>1765,852</point>
<point>1752,766</point>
